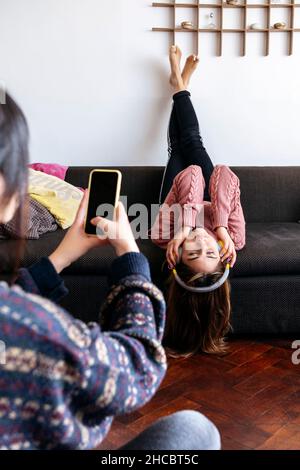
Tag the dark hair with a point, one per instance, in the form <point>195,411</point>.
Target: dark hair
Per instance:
<point>197,322</point>
<point>14,158</point>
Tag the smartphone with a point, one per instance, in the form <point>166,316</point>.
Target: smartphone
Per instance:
<point>104,192</point>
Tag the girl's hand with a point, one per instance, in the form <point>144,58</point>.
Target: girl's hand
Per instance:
<point>228,252</point>
<point>173,246</point>
<point>118,232</point>
<point>76,242</point>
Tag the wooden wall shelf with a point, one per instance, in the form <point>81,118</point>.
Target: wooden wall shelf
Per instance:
<point>243,6</point>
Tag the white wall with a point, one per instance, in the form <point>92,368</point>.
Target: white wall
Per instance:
<point>92,79</point>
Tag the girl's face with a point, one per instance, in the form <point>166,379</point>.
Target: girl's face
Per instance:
<point>200,252</point>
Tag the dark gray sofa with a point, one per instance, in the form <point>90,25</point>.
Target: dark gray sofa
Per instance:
<point>265,281</point>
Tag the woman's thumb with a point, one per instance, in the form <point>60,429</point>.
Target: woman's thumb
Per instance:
<point>104,226</point>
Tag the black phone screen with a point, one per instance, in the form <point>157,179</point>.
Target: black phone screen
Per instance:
<point>102,198</point>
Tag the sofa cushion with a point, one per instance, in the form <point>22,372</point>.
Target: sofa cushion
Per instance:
<point>271,249</point>
<point>96,262</point>
<point>34,249</point>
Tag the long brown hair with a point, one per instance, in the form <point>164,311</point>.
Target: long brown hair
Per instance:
<point>197,322</point>
<point>14,156</point>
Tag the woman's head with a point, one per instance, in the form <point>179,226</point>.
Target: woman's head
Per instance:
<point>197,322</point>
<point>200,252</point>
<point>14,156</point>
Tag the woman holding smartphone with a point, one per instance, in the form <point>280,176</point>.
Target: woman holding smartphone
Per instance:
<point>62,381</point>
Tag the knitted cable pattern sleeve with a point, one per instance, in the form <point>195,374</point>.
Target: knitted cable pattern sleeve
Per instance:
<point>221,191</point>
<point>236,222</point>
<point>189,187</point>
<point>226,210</point>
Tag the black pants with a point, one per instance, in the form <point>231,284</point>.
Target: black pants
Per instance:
<point>185,145</point>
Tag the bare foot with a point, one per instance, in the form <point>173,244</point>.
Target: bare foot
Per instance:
<point>175,58</point>
<point>191,65</point>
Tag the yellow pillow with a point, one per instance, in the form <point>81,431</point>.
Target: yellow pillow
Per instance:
<point>60,198</point>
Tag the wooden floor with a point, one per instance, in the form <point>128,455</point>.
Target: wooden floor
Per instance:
<point>252,395</point>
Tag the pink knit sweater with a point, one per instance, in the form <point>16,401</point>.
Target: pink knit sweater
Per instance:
<point>224,210</point>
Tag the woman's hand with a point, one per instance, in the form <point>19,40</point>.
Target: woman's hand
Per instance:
<point>117,232</point>
<point>76,242</point>
<point>228,252</point>
<point>174,245</point>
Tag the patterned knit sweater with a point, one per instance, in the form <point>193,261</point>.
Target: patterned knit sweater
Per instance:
<point>62,381</point>
<point>187,194</point>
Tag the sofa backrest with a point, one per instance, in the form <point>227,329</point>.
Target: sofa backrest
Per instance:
<point>269,194</point>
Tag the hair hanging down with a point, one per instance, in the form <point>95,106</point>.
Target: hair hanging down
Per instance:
<point>197,322</point>
<point>14,156</point>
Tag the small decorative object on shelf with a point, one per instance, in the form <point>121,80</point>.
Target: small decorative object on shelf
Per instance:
<point>211,25</point>
<point>232,2</point>
<point>255,26</point>
<point>187,25</point>
<point>280,25</point>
